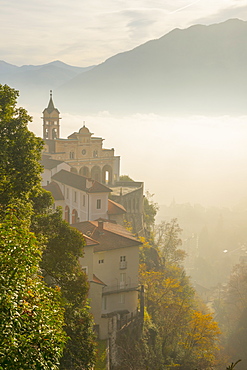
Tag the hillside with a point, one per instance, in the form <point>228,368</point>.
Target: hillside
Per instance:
<point>197,70</point>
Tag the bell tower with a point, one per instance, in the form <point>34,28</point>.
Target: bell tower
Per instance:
<point>51,125</point>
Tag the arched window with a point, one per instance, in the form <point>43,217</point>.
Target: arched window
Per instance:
<point>74,216</point>
<point>107,174</point>
<point>96,173</point>
<point>84,171</point>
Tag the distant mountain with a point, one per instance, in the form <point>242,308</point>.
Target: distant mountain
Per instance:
<point>34,82</point>
<point>202,69</point>
<point>198,70</point>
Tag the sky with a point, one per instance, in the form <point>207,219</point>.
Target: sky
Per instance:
<point>84,33</point>
<point>193,159</point>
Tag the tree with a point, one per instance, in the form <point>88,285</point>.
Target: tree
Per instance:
<point>30,298</point>
<point>150,211</point>
<point>60,266</point>
<point>20,169</point>
<point>31,316</point>
<point>233,318</point>
<point>167,238</point>
<point>126,178</point>
<point>185,334</point>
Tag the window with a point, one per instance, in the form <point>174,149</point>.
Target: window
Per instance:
<point>101,261</point>
<point>122,280</point>
<point>122,298</point>
<point>75,196</point>
<point>83,200</point>
<point>71,155</point>
<point>98,204</point>
<point>123,263</point>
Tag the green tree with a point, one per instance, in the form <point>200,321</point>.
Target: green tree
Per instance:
<point>125,178</point>
<point>233,317</point>
<point>31,316</point>
<point>60,266</point>
<point>20,169</point>
<point>20,173</point>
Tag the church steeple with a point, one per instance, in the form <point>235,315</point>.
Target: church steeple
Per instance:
<point>51,126</point>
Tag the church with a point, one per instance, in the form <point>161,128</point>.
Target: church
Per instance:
<point>81,150</point>
<point>67,161</point>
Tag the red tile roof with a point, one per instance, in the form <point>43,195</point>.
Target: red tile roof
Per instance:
<point>110,236</point>
<point>97,280</point>
<point>54,188</point>
<point>89,241</point>
<point>80,182</point>
<point>115,208</point>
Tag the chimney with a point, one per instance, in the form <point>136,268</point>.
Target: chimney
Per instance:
<point>100,225</point>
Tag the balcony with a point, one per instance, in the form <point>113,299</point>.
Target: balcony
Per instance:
<point>119,288</point>
<point>123,265</point>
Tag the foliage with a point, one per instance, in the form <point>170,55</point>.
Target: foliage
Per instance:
<point>167,238</point>
<point>233,365</point>
<point>32,334</point>
<point>232,314</point>
<point>20,150</point>
<point>185,333</point>
<point>101,361</point>
<point>60,265</point>
<point>150,210</point>
<point>31,317</point>
<point>125,178</point>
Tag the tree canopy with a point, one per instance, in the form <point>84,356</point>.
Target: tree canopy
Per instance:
<point>31,314</point>
<point>20,169</point>
<point>37,313</point>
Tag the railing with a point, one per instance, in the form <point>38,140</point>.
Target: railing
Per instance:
<point>127,318</point>
<point>123,265</point>
<point>118,288</point>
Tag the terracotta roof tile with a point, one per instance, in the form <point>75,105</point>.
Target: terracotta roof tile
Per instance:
<point>49,163</point>
<point>54,188</point>
<point>97,280</point>
<point>115,208</point>
<point>80,182</point>
<point>109,236</point>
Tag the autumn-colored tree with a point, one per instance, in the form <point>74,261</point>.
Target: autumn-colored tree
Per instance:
<point>185,333</point>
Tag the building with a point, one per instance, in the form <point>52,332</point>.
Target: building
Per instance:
<point>81,175</point>
<point>130,195</point>
<point>111,260</point>
<point>81,150</point>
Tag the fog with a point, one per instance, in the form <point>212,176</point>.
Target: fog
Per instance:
<point>194,159</point>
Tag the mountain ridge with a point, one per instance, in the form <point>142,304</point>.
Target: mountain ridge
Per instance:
<point>197,70</point>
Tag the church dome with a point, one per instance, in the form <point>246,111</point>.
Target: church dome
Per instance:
<point>84,130</point>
